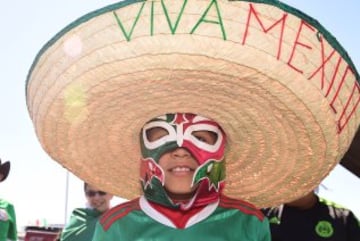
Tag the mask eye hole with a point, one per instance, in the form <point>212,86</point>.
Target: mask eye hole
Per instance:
<point>156,133</point>
<point>208,137</point>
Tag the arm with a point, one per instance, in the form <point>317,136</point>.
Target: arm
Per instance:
<point>80,226</point>
<point>264,233</point>
<point>11,219</point>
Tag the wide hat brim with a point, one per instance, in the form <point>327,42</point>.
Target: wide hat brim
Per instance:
<point>280,85</point>
<point>4,170</point>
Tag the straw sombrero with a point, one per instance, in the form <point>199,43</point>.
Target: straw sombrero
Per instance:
<point>281,86</point>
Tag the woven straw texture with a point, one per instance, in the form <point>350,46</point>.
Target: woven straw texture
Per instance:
<point>283,89</point>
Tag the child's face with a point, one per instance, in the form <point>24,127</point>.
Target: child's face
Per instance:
<point>179,165</point>
<point>182,158</point>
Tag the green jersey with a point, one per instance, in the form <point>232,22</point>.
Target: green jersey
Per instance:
<point>225,220</point>
<point>8,228</point>
<point>81,225</point>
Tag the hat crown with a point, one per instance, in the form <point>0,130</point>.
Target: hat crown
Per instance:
<point>283,89</point>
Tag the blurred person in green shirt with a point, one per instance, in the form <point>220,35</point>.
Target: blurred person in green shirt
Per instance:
<point>82,221</point>
<point>8,230</point>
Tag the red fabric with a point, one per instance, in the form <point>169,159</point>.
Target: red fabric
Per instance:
<point>41,235</point>
<point>177,216</point>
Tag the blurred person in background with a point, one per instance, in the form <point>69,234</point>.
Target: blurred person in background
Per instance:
<point>312,218</point>
<point>82,220</point>
<point>8,230</point>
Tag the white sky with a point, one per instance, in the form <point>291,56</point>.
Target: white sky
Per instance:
<point>36,185</point>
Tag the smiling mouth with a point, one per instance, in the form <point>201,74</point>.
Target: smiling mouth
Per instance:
<point>181,169</point>
<point>97,204</point>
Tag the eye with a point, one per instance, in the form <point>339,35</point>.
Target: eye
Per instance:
<point>156,133</point>
<point>207,137</point>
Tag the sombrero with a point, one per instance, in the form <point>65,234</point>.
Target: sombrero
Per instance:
<point>4,170</point>
<point>281,86</point>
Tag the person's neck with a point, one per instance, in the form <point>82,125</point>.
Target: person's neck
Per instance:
<point>180,198</point>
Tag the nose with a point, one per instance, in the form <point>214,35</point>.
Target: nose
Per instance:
<point>181,152</point>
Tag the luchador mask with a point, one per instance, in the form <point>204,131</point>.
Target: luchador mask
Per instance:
<point>180,132</point>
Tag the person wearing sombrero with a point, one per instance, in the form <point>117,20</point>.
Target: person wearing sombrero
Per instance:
<point>230,106</point>
<point>8,229</point>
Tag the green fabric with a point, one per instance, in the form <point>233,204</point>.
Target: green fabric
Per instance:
<point>222,225</point>
<point>8,228</point>
<point>81,225</point>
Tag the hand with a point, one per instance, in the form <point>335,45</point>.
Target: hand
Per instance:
<point>3,215</point>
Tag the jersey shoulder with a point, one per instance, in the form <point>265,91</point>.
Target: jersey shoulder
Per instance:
<point>241,205</point>
<point>118,212</point>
